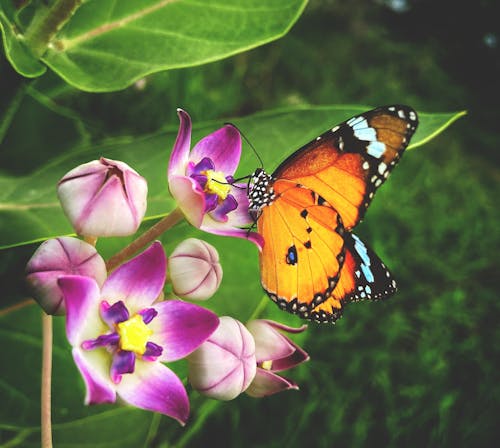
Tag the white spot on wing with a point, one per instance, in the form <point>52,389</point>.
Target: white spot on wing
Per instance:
<point>382,167</point>
<point>376,149</point>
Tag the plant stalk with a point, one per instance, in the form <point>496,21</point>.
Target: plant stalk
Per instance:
<point>46,24</point>
<point>150,235</point>
<point>46,420</point>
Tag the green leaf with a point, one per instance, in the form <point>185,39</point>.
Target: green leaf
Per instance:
<point>18,54</point>
<point>107,45</point>
<point>30,212</point>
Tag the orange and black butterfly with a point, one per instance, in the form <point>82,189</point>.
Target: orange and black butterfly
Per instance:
<point>311,264</point>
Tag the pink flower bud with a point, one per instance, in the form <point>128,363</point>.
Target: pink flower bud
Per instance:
<point>103,198</point>
<point>194,269</point>
<point>224,365</point>
<point>57,257</point>
<point>275,352</point>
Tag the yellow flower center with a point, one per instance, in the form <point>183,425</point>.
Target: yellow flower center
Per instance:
<point>217,183</point>
<point>266,365</point>
<point>134,334</point>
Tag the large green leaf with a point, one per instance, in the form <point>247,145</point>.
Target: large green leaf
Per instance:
<point>29,210</point>
<point>107,45</point>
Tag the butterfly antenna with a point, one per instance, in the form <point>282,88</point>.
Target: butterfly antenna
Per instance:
<point>250,144</point>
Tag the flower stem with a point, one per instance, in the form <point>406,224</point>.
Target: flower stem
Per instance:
<point>260,308</point>
<point>150,235</point>
<point>47,22</point>
<point>46,421</point>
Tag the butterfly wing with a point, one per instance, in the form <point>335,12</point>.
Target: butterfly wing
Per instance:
<point>345,165</point>
<point>303,251</point>
<point>363,276</point>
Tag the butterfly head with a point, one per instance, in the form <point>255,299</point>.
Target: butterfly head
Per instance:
<point>260,192</point>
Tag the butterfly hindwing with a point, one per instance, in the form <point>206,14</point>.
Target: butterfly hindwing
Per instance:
<point>348,163</point>
<point>363,276</point>
<point>303,250</point>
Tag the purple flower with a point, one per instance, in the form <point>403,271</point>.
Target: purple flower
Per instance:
<point>57,257</point>
<point>274,353</point>
<point>121,336</point>
<point>194,268</point>
<point>224,365</point>
<point>201,181</point>
<point>103,198</point>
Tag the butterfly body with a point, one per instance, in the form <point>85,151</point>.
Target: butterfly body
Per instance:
<point>311,263</point>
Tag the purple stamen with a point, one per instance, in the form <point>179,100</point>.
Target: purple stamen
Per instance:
<point>211,202</point>
<point>152,351</point>
<point>114,314</point>
<point>201,179</point>
<point>104,340</point>
<point>204,164</point>
<point>148,314</point>
<point>123,362</point>
<point>228,205</point>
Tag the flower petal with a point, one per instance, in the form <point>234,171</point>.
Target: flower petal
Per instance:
<point>272,345</point>
<point>218,228</point>
<point>82,297</point>
<point>94,367</point>
<point>155,387</point>
<point>222,146</point>
<point>269,343</point>
<point>189,197</point>
<point>240,217</point>
<point>268,383</point>
<point>139,281</point>
<point>181,327</point>
<point>180,152</point>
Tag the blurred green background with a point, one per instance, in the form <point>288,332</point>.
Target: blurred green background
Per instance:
<point>420,369</point>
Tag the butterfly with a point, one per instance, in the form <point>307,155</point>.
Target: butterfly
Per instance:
<point>311,263</point>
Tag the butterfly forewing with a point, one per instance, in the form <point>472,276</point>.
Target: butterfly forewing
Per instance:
<point>348,163</point>
<point>303,250</point>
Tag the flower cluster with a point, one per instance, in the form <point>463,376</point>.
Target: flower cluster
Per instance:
<point>121,327</point>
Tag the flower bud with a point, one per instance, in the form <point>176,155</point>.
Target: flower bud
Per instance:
<point>57,257</point>
<point>274,352</point>
<point>194,269</point>
<point>103,198</point>
<point>224,365</point>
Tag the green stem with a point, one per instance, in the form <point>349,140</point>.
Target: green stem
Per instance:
<point>11,109</point>
<point>147,237</point>
<point>47,22</point>
<point>46,420</point>
<point>260,308</point>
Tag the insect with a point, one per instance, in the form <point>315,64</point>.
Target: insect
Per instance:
<point>311,263</point>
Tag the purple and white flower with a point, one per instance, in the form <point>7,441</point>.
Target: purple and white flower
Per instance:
<point>103,198</point>
<point>201,181</point>
<point>274,352</point>
<point>121,335</point>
